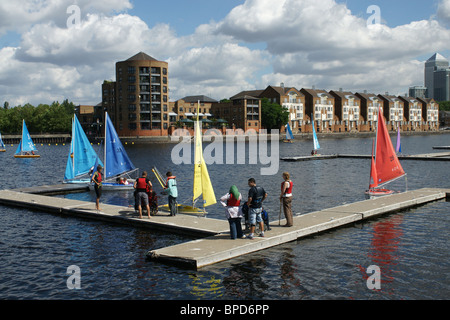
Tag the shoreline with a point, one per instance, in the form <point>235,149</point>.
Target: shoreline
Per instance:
<point>65,138</point>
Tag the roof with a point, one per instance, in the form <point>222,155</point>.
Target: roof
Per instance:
<point>141,56</point>
<point>317,93</point>
<point>345,94</point>
<point>437,57</point>
<point>200,98</point>
<point>251,94</point>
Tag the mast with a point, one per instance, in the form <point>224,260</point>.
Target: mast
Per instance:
<point>104,151</point>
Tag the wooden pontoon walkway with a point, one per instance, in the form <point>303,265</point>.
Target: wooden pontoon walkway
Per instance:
<point>436,156</point>
<point>216,246</point>
<point>199,253</point>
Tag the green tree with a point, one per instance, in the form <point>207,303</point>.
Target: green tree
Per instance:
<point>273,115</point>
<point>444,106</point>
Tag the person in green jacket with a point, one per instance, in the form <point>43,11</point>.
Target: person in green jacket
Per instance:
<point>171,186</point>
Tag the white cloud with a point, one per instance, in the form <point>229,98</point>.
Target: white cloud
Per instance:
<point>221,69</point>
<point>299,42</point>
<point>443,11</point>
<point>321,43</point>
<point>20,15</point>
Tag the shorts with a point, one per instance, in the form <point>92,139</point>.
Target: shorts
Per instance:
<point>98,191</point>
<point>254,216</point>
<point>142,198</point>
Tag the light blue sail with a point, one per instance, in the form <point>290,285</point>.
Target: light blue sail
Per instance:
<point>81,156</point>
<point>315,140</point>
<point>116,158</point>
<point>289,135</point>
<point>2,145</point>
<point>26,144</point>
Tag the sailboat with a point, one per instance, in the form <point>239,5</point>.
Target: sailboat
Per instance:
<point>202,183</point>
<point>81,157</point>
<point>398,148</point>
<point>26,148</point>
<point>116,161</point>
<point>385,167</point>
<point>289,135</point>
<point>2,145</point>
<point>315,140</point>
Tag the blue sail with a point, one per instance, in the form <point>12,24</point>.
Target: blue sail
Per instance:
<point>81,156</point>
<point>315,140</point>
<point>116,158</point>
<point>2,145</point>
<point>289,135</point>
<point>26,144</point>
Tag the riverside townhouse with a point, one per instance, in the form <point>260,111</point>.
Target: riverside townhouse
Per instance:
<point>138,104</point>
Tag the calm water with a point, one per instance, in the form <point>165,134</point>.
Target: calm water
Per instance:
<point>410,247</point>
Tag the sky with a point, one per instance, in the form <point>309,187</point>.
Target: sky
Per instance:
<point>51,50</point>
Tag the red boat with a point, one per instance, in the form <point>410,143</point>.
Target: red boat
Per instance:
<point>385,166</point>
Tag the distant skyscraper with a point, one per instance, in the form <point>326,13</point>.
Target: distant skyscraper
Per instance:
<point>437,76</point>
<point>418,92</point>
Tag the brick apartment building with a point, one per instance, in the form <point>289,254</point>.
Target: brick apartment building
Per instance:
<point>138,101</point>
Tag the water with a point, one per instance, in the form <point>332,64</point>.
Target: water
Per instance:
<point>410,247</point>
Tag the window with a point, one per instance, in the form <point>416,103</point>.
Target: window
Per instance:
<point>131,70</point>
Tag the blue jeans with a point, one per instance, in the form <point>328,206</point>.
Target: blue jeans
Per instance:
<point>235,228</point>
<point>173,205</point>
<point>254,215</point>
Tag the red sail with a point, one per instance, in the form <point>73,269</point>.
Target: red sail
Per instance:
<point>373,173</point>
<point>387,165</point>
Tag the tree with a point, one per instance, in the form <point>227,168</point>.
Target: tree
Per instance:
<point>273,115</point>
<point>444,106</point>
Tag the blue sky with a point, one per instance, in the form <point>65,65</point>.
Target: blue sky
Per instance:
<point>218,48</point>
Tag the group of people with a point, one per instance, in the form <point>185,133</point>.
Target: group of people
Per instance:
<point>144,194</point>
<point>147,197</point>
<point>256,195</point>
<point>231,201</point>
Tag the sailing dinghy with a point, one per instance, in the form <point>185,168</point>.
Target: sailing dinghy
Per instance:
<point>2,145</point>
<point>315,140</point>
<point>289,135</point>
<point>385,167</point>
<point>116,162</point>
<point>202,183</point>
<point>26,148</point>
<point>81,157</point>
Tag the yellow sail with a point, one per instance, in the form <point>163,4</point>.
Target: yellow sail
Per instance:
<point>202,182</point>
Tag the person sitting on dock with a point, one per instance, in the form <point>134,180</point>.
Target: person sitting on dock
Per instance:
<point>256,195</point>
<point>142,185</point>
<point>231,201</point>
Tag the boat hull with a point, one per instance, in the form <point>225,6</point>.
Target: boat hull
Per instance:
<point>106,186</point>
<point>2,150</point>
<point>80,181</point>
<point>375,193</point>
<point>26,156</point>
<point>184,209</point>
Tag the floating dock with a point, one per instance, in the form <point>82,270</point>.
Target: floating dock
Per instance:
<point>203,252</point>
<point>310,158</point>
<point>442,147</point>
<point>436,156</point>
<point>181,224</point>
<point>216,245</point>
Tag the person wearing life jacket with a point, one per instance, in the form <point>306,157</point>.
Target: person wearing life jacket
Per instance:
<point>171,186</point>
<point>286,199</point>
<point>232,201</point>
<point>97,180</point>
<point>141,185</point>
